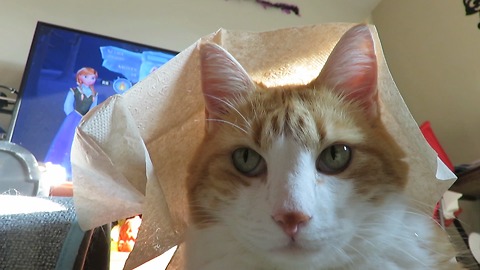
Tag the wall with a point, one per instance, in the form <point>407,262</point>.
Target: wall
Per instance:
<point>168,24</point>
<point>432,51</point>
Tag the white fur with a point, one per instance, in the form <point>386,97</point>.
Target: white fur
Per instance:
<point>345,232</point>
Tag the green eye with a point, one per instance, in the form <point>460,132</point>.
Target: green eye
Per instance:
<point>334,159</point>
<point>248,162</point>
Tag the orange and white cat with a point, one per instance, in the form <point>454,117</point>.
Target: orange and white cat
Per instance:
<point>302,177</point>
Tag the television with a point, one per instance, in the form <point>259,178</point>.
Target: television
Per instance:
<point>67,73</point>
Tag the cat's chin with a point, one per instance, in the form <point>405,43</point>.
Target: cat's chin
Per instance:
<point>294,251</point>
<point>308,251</point>
<point>297,257</point>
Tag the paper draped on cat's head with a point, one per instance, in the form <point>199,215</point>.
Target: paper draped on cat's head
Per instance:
<point>351,70</point>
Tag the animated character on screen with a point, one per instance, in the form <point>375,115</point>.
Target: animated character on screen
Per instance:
<point>78,102</point>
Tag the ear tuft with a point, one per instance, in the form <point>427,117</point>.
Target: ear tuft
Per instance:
<point>351,69</point>
<point>223,78</point>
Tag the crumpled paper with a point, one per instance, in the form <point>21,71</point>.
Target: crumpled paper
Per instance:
<point>131,152</point>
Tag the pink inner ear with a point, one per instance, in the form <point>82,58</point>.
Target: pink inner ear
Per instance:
<point>223,78</point>
<point>351,68</point>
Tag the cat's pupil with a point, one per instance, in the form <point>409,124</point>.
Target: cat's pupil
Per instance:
<point>333,152</point>
<point>245,156</point>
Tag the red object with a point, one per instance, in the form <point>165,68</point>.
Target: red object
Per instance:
<point>62,190</point>
<point>128,234</point>
<point>427,132</point>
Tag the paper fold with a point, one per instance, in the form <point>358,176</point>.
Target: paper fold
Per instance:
<point>108,178</point>
<point>131,153</point>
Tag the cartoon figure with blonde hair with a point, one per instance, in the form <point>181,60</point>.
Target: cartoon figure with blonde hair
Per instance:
<point>79,101</point>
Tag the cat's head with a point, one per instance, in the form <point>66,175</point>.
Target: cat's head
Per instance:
<point>289,170</point>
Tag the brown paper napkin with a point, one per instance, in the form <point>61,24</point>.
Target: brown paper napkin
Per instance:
<point>130,153</point>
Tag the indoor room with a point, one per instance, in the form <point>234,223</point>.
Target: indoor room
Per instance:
<point>105,141</point>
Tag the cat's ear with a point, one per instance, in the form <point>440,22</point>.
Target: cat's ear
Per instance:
<point>223,78</point>
<point>351,69</point>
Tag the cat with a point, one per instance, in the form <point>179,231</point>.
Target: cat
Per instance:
<point>302,177</point>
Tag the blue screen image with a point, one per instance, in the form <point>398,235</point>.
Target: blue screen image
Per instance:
<point>56,54</point>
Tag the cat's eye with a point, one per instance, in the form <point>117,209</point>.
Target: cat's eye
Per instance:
<point>334,159</point>
<point>248,162</point>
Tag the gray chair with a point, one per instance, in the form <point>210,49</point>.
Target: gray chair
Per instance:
<point>43,239</point>
<point>19,172</point>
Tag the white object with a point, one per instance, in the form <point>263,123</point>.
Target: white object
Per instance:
<point>450,204</point>
<point>474,243</point>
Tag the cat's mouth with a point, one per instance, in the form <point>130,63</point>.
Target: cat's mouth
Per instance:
<point>295,249</point>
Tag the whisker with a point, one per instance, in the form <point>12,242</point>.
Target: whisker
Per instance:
<point>392,212</point>
<point>227,122</point>
<point>428,244</point>
<point>379,241</point>
<point>341,253</point>
<point>230,105</point>
<point>358,252</point>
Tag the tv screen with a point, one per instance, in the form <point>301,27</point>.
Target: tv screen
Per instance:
<point>68,72</point>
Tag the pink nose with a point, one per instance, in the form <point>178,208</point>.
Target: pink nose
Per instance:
<point>291,221</point>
